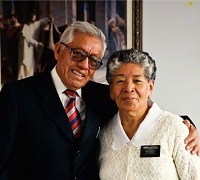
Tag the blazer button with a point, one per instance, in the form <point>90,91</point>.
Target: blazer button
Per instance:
<point>78,153</point>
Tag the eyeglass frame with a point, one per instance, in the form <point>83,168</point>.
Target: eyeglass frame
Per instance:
<point>99,62</point>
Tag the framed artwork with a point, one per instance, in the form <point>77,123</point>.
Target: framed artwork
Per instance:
<point>132,32</point>
<point>136,24</point>
<point>120,21</point>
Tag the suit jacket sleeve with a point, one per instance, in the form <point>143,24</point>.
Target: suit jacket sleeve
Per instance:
<point>8,121</point>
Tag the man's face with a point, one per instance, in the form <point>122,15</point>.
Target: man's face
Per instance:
<point>73,74</point>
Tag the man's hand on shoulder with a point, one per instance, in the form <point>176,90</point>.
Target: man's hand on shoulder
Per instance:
<point>192,139</point>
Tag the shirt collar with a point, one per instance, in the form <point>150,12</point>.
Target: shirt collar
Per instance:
<point>60,87</point>
<point>143,133</point>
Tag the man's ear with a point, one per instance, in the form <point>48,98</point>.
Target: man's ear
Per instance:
<point>57,50</point>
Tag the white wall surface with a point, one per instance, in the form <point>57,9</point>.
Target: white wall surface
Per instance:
<point>171,35</point>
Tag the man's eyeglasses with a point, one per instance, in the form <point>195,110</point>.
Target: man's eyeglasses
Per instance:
<point>79,55</point>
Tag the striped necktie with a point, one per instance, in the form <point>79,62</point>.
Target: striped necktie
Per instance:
<point>73,114</point>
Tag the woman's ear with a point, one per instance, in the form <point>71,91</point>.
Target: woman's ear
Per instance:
<point>111,94</point>
<point>57,50</point>
<point>151,87</point>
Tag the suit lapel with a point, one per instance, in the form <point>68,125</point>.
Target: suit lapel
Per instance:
<point>92,120</point>
<point>52,105</point>
<point>91,125</point>
<point>99,108</point>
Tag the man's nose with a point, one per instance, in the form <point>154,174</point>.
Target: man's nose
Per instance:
<point>84,63</point>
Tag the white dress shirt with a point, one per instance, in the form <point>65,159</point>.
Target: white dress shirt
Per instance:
<point>60,88</point>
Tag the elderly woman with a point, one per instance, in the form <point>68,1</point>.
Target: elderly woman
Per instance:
<point>142,141</point>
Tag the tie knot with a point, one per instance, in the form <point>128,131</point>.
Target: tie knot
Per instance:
<point>70,93</point>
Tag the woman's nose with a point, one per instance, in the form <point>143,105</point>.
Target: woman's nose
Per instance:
<point>129,87</point>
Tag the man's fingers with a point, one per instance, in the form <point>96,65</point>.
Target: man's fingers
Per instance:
<point>198,152</point>
<point>191,145</point>
<point>195,150</point>
<point>192,136</point>
<point>187,123</point>
<point>191,140</point>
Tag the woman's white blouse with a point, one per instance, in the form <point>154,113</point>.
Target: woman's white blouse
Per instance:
<point>120,157</point>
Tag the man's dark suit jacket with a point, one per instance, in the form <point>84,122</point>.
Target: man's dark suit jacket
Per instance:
<point>36,140</point>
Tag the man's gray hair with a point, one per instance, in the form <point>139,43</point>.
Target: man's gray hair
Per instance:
<point>85,28</point>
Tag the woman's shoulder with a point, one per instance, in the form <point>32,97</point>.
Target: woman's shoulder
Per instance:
<point>170,116</point>
<point>172,121</point>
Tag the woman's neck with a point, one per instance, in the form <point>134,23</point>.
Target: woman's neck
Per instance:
<point>131,120</point>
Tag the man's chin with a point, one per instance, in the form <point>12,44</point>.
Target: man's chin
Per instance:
<point>79,85</point>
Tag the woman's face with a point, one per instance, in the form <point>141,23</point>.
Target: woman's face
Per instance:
<point>130,88</point>
<point>75,75</point>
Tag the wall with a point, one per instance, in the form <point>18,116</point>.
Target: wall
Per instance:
<point>171,34</point>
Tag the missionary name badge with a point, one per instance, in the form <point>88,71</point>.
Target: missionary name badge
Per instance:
<point>150,151</point>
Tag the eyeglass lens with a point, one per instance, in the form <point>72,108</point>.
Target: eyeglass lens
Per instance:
<point>79,55</point>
